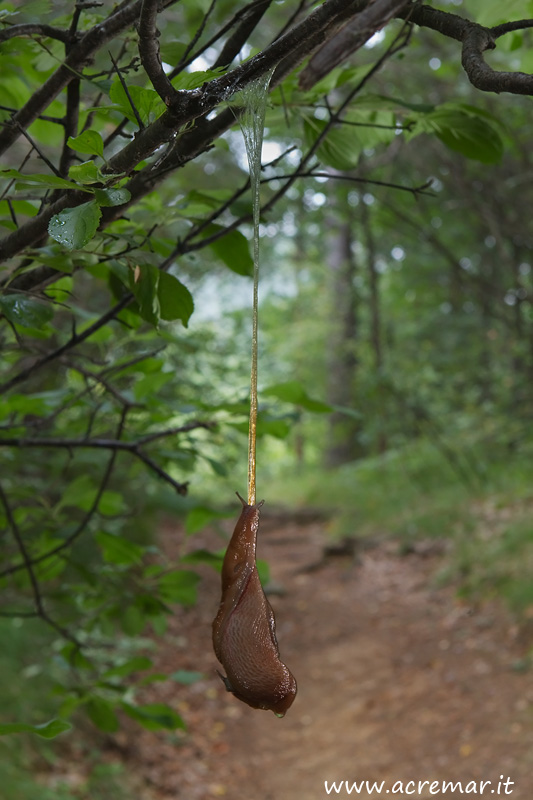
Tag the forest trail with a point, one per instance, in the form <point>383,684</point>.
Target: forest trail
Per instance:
<point>397,681</point>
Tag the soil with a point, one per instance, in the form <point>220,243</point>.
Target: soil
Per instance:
<point>398,680</point>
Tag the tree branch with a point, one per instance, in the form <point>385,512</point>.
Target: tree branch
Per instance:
<point>234,43</point>
<point>87,516</point>
<point>475,40</point>
<point>105,444</point>
<point>78,56</point>
<point>115,445</point>
<point>31,28</point>
<point>352,36</point>
<point>149,52</point>
<point>135,448</point>
<point>28,565</point>
<point>74,340</point>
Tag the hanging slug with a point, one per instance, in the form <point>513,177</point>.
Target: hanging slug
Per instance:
<point>244,630</point>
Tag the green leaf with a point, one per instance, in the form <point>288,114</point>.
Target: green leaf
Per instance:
<point>101,714</point>
<point>263,569</point>
<point>172,51</point>
<point>470,136</point>
<point>87,172</point>
<point>147,102</point>
<point>193,80</point>
<point>492,12</point>
<point>340,148</point>
<point>202,556</point>
<point>463,128</point>
<point>266,426</point>
<point>112,197</point>
<point>80,493</point>
<point>47,181</point>
<point>233,250</point>
<point>26,311</point>
<point>48,730</point>
<point>186,676</point>
<point>135,664</point>
<point>111,503</point>
<point>272,426</point>
<point>132,621</point>
<point>75,227</point>
<point>144,283</point>
<point>74,657</point>
<point>87,142</point>
<point>293,392</point>
<point>117,550</point>
<point>199,517</point>
<point>160,295</point>
<point>179,586</point>
<point>25,404</point>
<point>175,300</point>
<point>155,716</point>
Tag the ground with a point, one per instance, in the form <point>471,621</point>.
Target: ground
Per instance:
<point>398,680</point>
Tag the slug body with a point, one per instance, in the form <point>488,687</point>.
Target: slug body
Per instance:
<point>244,630</point>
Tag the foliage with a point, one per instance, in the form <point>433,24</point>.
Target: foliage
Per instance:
<point>124,297</point>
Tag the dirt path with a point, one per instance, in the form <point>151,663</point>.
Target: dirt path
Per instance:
<point>398,681</point>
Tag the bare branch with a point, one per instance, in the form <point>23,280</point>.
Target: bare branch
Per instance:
<point>34,28</point>
<point>187,106</point>
<point>414,190</point>
<point>28,565</point>
<point>239,15</point>
<point>124,85</point>
<point>349,39</point>
<point>234,44</point>
<point>480,75</point>
<point>190,47</point>
<point>149,52</point>
<point>135,448</point>
<point>104,444</point>
<point>509,27</point>
<point>115,445</point>
<point>87,516</point>
<point>475,40</point>
<point>79,54</point>
<point>74,340</point>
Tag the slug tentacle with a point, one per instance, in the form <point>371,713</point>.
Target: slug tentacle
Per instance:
<point>244,630</point>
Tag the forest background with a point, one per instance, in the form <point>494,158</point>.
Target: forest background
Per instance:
<point>396,317</point>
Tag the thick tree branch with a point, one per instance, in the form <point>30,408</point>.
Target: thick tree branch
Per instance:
<point>78,56</point>
<point>352,36</point>
<point>509,27</point>
<point>475,40</point>
<point>149,52</point>
<point>234,43</point>
<point>199,31</point>
<point>188,59</point>
<point>184,109</point>
<point>34,28</point>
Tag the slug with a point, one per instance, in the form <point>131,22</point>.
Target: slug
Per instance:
<point>244,630</point>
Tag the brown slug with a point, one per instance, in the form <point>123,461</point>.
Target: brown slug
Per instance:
<point>244,630</point>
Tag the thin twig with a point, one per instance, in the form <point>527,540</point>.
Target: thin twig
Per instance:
<point>28,565</point>
<point>74,340</point>
<point>87,516</point>
<point>124,85</point>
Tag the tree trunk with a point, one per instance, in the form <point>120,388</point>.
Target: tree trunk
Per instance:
<point>343,444</point>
